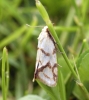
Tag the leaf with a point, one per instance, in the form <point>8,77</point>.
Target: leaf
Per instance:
<point>31,97</point>
<point>83,69</point>
<point>65,70</point>
<point>77,92</point>
<point>83,66</point>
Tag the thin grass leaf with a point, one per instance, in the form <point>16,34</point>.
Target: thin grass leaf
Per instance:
<point>50,26</point>
<point>5,74</point>
<point>12,37</point>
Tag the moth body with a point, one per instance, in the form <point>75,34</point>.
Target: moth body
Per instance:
<point>46,61</point>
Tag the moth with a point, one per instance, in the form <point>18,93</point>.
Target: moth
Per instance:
<point>46,61</point>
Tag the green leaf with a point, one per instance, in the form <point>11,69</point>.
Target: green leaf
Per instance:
<point>83,69</point>
<point>77,92</point>
<point>31,97</point>
<point>65,70</point>
<point>52,92</point>
<point>83,65</point>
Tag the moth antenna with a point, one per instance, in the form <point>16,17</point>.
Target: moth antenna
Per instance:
<point>33,26</point>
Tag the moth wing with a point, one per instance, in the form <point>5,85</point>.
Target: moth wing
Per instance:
<point>47,69</point>
<point>46,62</point>
<point>47,76</point>
<point>45,43</point>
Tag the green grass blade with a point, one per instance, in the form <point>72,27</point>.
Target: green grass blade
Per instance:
<point>50,26</point>
<point>61,85</point>
<point>4,85</point>
<point>12,37</point>
<point>48,90</point>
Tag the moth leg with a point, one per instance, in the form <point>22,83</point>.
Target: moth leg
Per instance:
<point>59,65</point>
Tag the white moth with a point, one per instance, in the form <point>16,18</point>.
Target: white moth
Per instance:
<point>46,61</point>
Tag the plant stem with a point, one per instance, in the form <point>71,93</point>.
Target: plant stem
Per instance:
<point>48,89</point>
<point>69,20</point>
<point>76,40</point>
<point>7,74</point>
<point>82,47</point>
<point>61,86</point>
<point>4,58</point>
<point>50,26</point>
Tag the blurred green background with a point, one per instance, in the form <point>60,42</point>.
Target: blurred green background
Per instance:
<point>71,22</point>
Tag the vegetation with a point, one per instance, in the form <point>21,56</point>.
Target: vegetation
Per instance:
<point>68,22</point>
